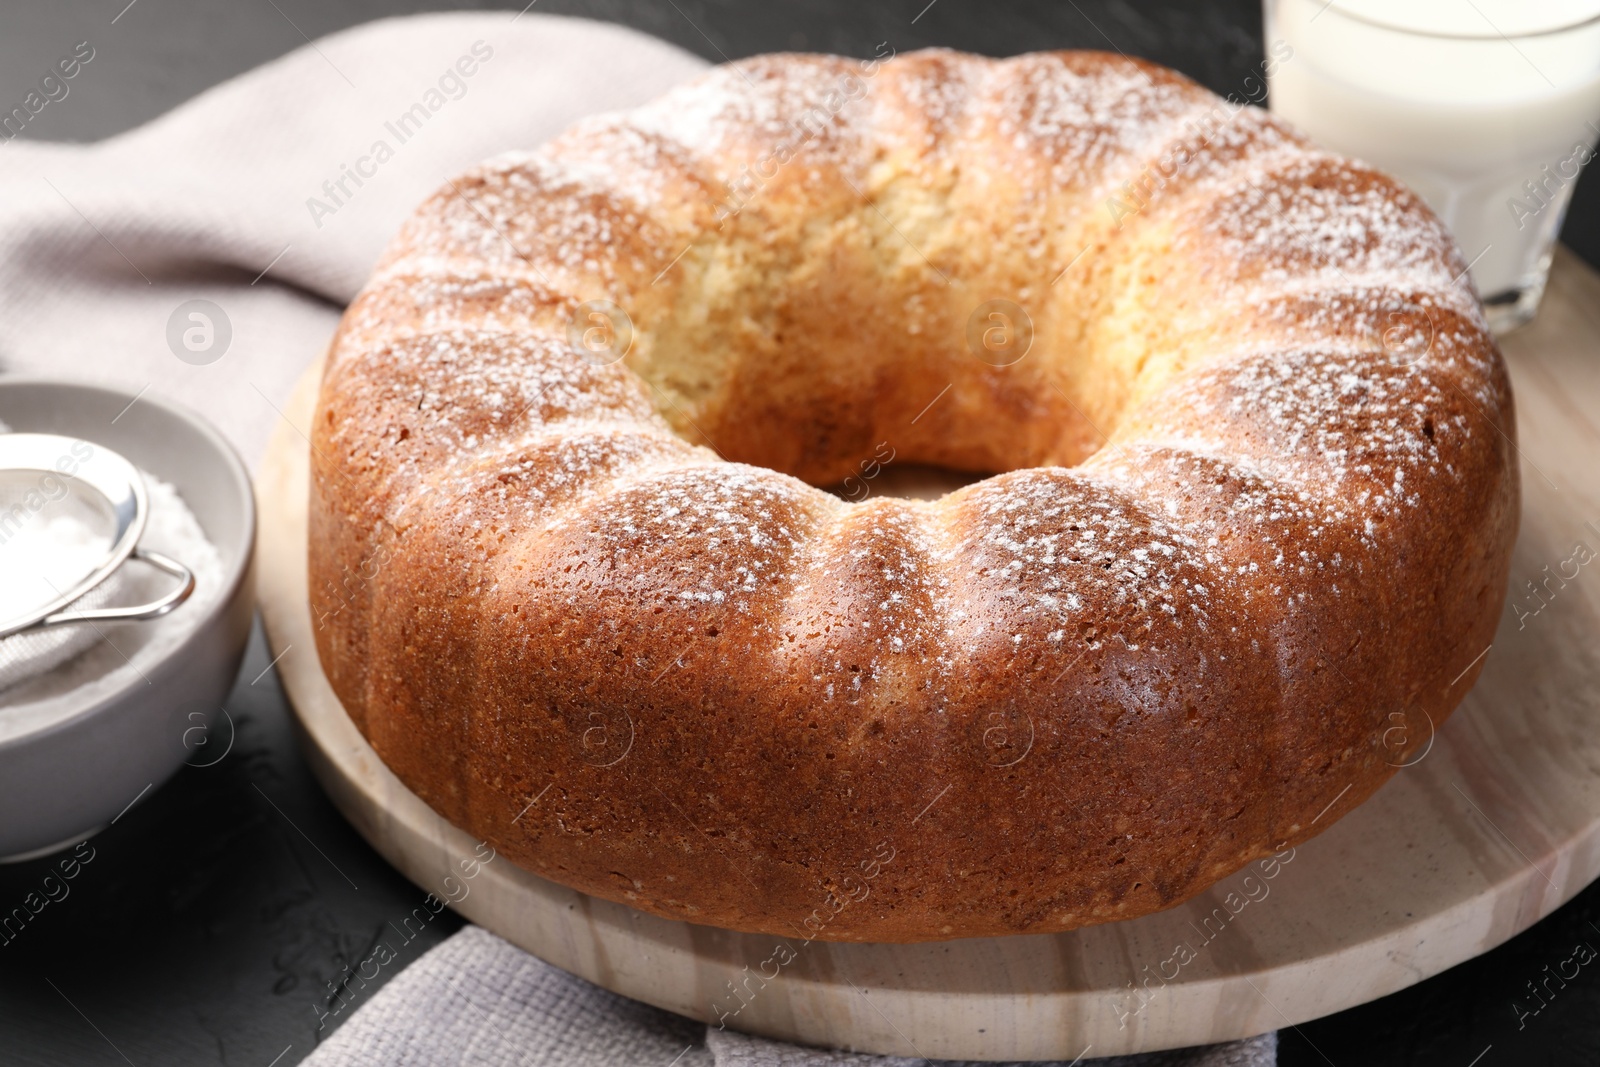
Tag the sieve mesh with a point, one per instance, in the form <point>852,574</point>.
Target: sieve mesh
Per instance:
<point>54,532</point>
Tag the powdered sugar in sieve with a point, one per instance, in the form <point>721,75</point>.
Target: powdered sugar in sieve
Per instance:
<point>71,517</point>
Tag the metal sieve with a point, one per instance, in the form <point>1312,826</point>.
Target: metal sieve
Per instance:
<point>42,474</point>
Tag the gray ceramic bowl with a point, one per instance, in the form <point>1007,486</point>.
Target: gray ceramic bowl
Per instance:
<point>79,772</point>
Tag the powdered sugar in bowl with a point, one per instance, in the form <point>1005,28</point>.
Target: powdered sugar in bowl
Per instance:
<point>72,514</point>
<point>156,546</point>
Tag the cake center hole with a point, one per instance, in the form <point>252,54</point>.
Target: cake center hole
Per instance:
<point>912,481</point>
<point>827,348</point>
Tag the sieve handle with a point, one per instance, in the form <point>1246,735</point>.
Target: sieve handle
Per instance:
<point>151,610</point>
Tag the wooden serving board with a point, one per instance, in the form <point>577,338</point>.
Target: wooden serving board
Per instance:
<point>1493,828</point>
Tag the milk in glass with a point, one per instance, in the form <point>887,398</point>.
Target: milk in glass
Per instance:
<point>1487,108</point>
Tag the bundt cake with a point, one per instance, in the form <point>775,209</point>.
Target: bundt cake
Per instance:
<point>1253,495</point>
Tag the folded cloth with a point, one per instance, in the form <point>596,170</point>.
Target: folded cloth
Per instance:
<point>206,256</point>
<point>271,196</point>
<point>478,1000</point>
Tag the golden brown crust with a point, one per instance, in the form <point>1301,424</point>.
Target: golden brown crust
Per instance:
<point>1261,496</point>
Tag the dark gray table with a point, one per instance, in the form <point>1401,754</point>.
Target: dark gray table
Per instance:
<point>208,931</point>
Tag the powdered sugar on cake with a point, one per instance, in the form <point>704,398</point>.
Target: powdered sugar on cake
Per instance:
<point>508,250</point>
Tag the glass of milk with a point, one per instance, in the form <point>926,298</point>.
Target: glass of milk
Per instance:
<point>1487,108</point>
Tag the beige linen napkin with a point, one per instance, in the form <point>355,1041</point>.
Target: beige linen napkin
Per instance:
<point>206,257</point>
<point>270,198</point>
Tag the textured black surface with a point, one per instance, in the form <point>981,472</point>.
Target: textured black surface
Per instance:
<point>220,921</point>
<point>217,919</point>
